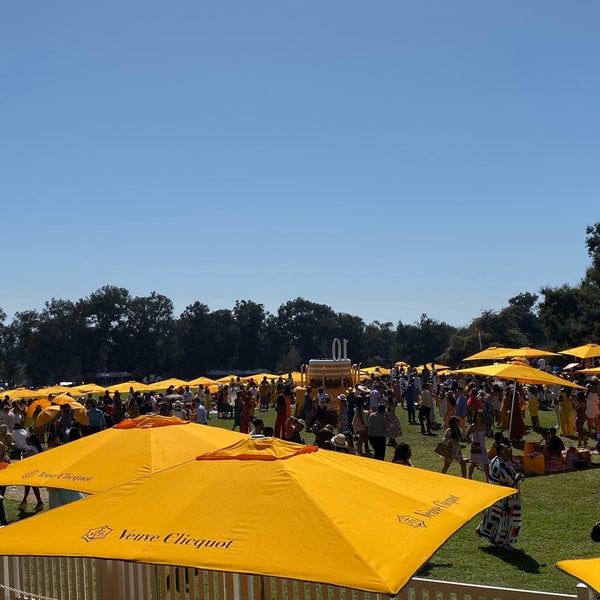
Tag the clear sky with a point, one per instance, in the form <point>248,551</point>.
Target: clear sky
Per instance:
<point>385,158</point>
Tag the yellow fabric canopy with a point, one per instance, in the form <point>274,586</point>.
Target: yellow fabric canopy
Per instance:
<point>584,569</point>
<point>51,412</point>
<point>330,517</point>
<point>131,449</point>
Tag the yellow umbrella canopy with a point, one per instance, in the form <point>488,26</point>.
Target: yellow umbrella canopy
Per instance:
<point>63,399</point>
<point>586,351</point>
<point>123,388</point>
<point>50,412</point>
<point>489,353</point>
<point>201,381</point>
<point>376,370</point>
<point>401,363</point>
<point>138,447</point>
<point>21,393</point>
<point>42,402</point>
<point>437,367</point>
<point>88,388</point>
<point>593,371</point>
<point>525,352</point>
<point>520,372</point>
<point>294,492</point>
<point>163,385</point>
<point>584,569</point>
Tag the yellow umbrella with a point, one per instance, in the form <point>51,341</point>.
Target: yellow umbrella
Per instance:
<point>584,569</point>
<point>54,390</point>
<point>88,388</point>
<point>50,412</point>
<point>63,399</point>
<point>163,385</point>
<point>123,388</point>
<point>21,393</point>
<point>41,402</point>
<point>401,363</point>
<point>587,351</point>
<point>525,352</point>
<point>131,449</point>
<point>228,378</point>
<point>593,371</point>
<point>437,367</point>
<point>297,493</point>
<point>376,370</point>
<point>489,353</point>
<point>201,381</point>
<point>515,371</point>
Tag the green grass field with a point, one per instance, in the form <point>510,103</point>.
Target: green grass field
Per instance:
<point>559,511</point>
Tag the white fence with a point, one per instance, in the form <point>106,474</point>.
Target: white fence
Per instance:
<point>38,578</point>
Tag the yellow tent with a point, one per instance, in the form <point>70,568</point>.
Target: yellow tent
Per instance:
<point>159,386</point>
<point>301,495</point>
<point>131,449</point>
<point>584,569</point>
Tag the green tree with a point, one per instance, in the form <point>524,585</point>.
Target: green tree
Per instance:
<point>250,320</point>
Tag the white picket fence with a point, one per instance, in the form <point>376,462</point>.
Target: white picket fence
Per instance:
<point>39,578</point>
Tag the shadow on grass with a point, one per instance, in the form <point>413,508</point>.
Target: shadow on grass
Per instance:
<point>516,558</point>
<point>428,567</point>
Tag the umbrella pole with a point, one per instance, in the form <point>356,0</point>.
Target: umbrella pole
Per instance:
<point>262,587</point>
<point>512,407</point>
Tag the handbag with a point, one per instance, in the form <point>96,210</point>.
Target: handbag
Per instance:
<point>444,449</point>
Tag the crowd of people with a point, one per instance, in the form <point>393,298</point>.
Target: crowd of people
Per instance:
<point>363,421</point>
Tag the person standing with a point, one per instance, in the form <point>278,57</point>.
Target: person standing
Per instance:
<point>502,521</point>
<point>410,396</point>
<point>479,456</point>
<point>359,425</point>
<point>426,404</point>
<point>377,424</point>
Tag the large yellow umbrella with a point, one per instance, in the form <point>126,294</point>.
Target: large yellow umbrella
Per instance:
<point>489,353</point>
<point>375,370</point>
<point>584,569</point>
<point>205,381</point>
<point>50,412</point>
<point>438,368</point>
<point>123,388</point>
<point>592,371</point>
<point>88,388</point>
<point>586,351</point>
<point>311,502</point>
<point>63,399</point>
<point>525,352</point>
<point>520,372</point>
<point>131,449</point>
<point>22,394</point>
<point>163,385</point>
<point>42,402</point>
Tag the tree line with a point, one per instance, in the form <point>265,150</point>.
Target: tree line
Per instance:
<point>111,330</point>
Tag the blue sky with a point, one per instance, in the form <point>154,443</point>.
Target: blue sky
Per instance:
<point>388,159</point>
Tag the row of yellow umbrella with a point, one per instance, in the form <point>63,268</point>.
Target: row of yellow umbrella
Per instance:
<point>497,352</point>
<point>124,387</point>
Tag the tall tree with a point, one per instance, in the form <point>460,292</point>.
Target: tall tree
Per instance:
<point>250,318</point>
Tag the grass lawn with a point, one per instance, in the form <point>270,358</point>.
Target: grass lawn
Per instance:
<point>559,511</point>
